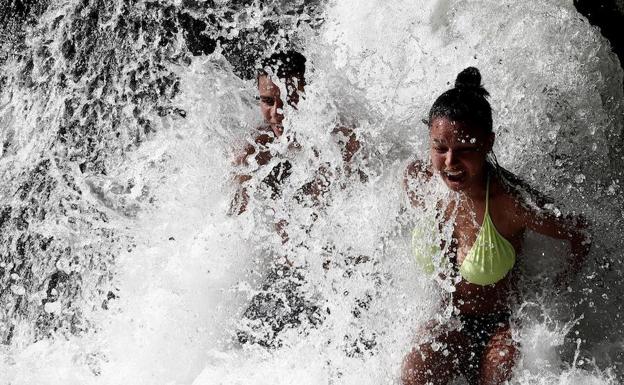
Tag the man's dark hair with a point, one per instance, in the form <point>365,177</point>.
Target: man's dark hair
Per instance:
<point>466,102</point>
<point>284,64</point>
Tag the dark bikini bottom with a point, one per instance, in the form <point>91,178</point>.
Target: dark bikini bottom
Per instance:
<point>479,329</point>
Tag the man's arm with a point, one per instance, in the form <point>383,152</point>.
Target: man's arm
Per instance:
<point>262,157</point>
<point>349,144</point>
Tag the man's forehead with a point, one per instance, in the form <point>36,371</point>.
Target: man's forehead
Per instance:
<point>272,80</point>
<point>266,85</point>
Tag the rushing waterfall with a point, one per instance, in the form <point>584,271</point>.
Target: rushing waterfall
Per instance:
<point>119,123</point>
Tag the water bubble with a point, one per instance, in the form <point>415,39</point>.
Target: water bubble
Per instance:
<point>580,178</point>
<point>612,189</point>
<point>18,289</point>
<point>63,265</point>
<point>52,307</point>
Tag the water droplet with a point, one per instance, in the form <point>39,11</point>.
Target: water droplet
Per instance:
<point>18,289</point>
<point>63,265</point>
<point>52,307</point>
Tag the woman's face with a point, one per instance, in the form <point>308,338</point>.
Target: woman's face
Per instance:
<point>458,152</point>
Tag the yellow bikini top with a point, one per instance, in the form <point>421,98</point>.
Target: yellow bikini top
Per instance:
<point>488,261</point>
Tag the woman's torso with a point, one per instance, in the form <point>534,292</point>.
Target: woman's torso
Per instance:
<point>503,210</point>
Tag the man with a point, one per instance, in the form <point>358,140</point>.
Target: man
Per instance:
<point>289,67</point>
<point>281,303</point>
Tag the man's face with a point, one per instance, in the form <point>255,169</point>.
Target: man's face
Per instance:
<point>271,103</point>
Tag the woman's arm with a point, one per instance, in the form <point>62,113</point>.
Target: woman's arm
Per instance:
<point>415,173</point>
<point>573,228</point>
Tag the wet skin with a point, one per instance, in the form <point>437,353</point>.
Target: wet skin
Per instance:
<point>271,103</point>
<point>458,154</point>
<point>272,111</point>
<point>272,106</point>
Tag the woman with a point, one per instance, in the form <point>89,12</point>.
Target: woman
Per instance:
<point>489,217</point>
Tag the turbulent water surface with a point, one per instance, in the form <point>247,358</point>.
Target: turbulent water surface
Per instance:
<point>119,122</point>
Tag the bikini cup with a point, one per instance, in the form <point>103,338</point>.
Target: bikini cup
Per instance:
<point>489,260</point>
<point>491,256</point>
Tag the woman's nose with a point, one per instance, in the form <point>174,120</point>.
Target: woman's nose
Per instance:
<point>451,159</point>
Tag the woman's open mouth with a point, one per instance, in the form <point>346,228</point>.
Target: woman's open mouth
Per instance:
<point>455,176</point>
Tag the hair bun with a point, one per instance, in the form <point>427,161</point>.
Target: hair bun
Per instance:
<point>470,78</point>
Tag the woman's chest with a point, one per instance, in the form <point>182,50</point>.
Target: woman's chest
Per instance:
<point>468,224</point>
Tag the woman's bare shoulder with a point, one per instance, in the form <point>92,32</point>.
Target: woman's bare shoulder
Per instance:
<point>521,198</point>
<point>417,169</point>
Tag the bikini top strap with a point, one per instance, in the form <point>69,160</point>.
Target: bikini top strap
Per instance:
<point>487,193</point>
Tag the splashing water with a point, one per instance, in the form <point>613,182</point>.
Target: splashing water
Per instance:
<point>120,263</point>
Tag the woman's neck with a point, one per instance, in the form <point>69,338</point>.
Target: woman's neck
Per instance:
<point>478,191</point>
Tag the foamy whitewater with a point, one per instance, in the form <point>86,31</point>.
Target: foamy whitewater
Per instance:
<point>121,265</point>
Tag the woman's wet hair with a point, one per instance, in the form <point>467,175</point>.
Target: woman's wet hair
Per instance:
<point>466,102</point>
<point>284,64</point>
